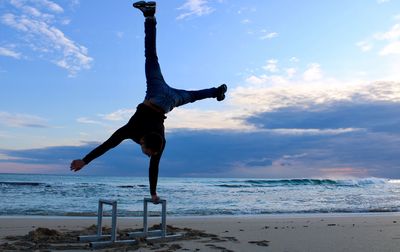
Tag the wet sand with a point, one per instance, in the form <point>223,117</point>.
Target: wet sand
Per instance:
<point>323,232</point>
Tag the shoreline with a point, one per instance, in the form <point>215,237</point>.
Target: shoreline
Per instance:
<point>251,216</point>
<point>273,215</point>
<point>294,232</point>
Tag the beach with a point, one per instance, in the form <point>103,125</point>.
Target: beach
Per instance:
<point>296,232</point>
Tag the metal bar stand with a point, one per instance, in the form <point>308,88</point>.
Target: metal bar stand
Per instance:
<point>95,240</point>
<point>160,234</point>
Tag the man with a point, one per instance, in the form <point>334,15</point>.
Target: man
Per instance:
<point>146,126</point>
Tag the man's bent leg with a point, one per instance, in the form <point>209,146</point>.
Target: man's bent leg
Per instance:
<point>184,96</point>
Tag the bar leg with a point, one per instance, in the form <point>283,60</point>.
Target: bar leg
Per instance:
<point>95,239</point>
<point>164,218</point>
<point>99,218</point>
<point>145,227</point>
<point>155,235</point>
<point>114,222</point>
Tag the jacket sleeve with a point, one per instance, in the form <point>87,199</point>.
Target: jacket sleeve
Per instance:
<point>112,142</point>
<point>153,171</point>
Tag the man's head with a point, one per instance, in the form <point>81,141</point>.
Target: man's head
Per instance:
<point>152,144</point>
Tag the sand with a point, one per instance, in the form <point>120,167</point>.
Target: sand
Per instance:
<point>323,232</point>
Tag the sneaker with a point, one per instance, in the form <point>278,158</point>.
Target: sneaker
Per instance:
<point>148,8</point>
<point>221,90</point>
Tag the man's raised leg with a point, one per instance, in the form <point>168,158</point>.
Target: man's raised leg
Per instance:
<point>186,96</point>
<point>152,67</point>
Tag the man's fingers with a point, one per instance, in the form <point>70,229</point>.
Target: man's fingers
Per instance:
<point>75,166</point>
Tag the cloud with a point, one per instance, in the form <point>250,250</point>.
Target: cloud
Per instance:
<point>313,72</point>
<point>271,66</point>
<point>391,49</point>
<point>269,35</point>
<point>15,167</point>
<point>9,53</point>
<point>195,8</point>
<point>41,35</point>
<point>343,172</point>
<point>365,46</point>
<point>265,96</point>
<point>382,1</point>
<point>195,119</point>
<point>51,6</point>
<point>262,154</point>
<point>22,120</point>
<point>291,72</point>
<point>389,42</point>
<point>119,115</point>
<point>86,120</point>
<point>392,34</point>
<point>246,21</point>
<point>337,118</point>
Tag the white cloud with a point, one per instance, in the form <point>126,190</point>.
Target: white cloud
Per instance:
<point>269,35</point>
<point>183,118</point>
<point>51,6</point>
<point>9,53</point>
<point>314,131</point>
<point>195,7</point>
<point>382,1</point>
<point>22,120</point>
<point>313,72</point>
<point>392,34</point>
<point>391,48</point>
<point>310,97</point>
<point>271,66</point>
<point>263,79</point>
<point>119,115</point>
<point>42,35</point>
<point>86,120</point>
<point>365,46</point>
<point>291,72</point>
<point>388,42</point>
<point>257,79</point>
<point>307,90</point>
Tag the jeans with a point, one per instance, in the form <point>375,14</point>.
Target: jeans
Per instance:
<point>158,92</point>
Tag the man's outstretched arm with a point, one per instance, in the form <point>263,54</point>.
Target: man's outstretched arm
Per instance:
<point>113,141</point>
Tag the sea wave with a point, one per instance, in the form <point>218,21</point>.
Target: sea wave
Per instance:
<point>6,183</point>
<point>302,182</point>
<point>78,196</point>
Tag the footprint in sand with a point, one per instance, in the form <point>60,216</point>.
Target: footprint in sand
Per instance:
<point>222,249</point>
<point>263,243</point>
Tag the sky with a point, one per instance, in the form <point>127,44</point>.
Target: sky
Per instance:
<point>313,86</point>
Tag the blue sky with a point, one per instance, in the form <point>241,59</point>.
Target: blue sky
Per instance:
<point>314,86</point>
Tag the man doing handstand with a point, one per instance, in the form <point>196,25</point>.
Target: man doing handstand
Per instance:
<point>146,126</point>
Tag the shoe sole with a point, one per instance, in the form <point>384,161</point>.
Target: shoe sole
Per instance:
<point>224,88</point>
<point>143,4</point>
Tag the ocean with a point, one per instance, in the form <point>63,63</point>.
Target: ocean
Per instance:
<point>69,195</point>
